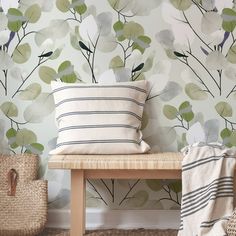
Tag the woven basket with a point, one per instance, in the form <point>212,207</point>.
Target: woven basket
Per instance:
<point>25,211</point>
<point>231,226</point>
<point>26,166</point>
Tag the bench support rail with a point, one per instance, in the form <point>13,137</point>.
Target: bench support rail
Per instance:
<point>78,189</point>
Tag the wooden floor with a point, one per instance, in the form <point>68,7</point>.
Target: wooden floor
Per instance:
<point>138,232</point>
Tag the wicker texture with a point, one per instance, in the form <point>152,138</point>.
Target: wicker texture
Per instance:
<point>26,166</point>
<point>231,226</point>
<point>26,212</point>
<point>154,161</point>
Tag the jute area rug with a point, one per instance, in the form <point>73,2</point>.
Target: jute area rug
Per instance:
<point>113,232</point>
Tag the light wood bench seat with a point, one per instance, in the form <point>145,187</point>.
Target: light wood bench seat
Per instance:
<point>168,160</point>
<point>142,166</point>
<point>111,166</point>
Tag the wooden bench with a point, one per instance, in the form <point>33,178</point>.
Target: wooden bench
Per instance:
<point>142,166</point>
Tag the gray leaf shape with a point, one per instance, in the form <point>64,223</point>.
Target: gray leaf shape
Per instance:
<point>211,128</point>
<point>41,107</point>
<point>52,143</point>
<point>104,21</point>
<point>171,90</point>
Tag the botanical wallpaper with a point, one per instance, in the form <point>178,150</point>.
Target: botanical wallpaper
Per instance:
<point>186,49</point>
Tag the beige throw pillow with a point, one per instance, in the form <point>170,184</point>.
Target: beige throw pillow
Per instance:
<point>100,118</point>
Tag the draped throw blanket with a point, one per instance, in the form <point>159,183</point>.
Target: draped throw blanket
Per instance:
<point>207,200</point>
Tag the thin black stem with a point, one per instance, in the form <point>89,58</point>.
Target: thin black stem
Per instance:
<point>24,26</point>
<point>131,188</point>
<point>119,12</point>
<point>220,80</point>
<point>180,119</point>
<point>185,17</point>
<point>124,14</point>
<point>136,77</point>
<point>18,35</point>
<point>104,183</point>
<point>232,90</point>
<point>202,82</point>
<point>168,199</point>
<point>87,58</point>
<point>226,124</point>
<point>55,200</point>
<point>188,125</point>
<point>75,16</point>
<point>231,122</point>
<point>219,87</point>
<point>71,10</point>
<point>113,190</point>
<point>70,18</point>
<point>168,190</point>
<point>124,53</point>
<point>182,126</point>
<point>40,62</point>
<point>179,126</point>
<point>91,41</point>
<point>5,78</point>
<point>16,122</point>
<point>150,91</point>
<point>130,45</point>
<point>4,87</point>
<point>124,50</point>
<point>93,57</point>
<point>150,97</point>
<point>20,39</point>
<point>118,16</point>
<point>199,7</point>
<point>94,188</point>
<point>190,50</point>
<point>232,44</point>
<point>154,96</point>
<point>182,123</point>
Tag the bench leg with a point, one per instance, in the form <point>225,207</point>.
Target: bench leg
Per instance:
<point>78,190</point>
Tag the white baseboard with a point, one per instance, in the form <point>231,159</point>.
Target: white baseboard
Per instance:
<point>120,219</point>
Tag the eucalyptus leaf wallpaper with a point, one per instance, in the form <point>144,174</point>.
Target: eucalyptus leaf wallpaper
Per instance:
<point>186,49</point>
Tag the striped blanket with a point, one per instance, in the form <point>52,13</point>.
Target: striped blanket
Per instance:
<point>207,200</point>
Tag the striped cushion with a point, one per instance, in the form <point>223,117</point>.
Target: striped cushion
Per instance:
<point>99,119</point>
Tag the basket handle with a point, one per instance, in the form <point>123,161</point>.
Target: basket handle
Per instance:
<point>12,182</point>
